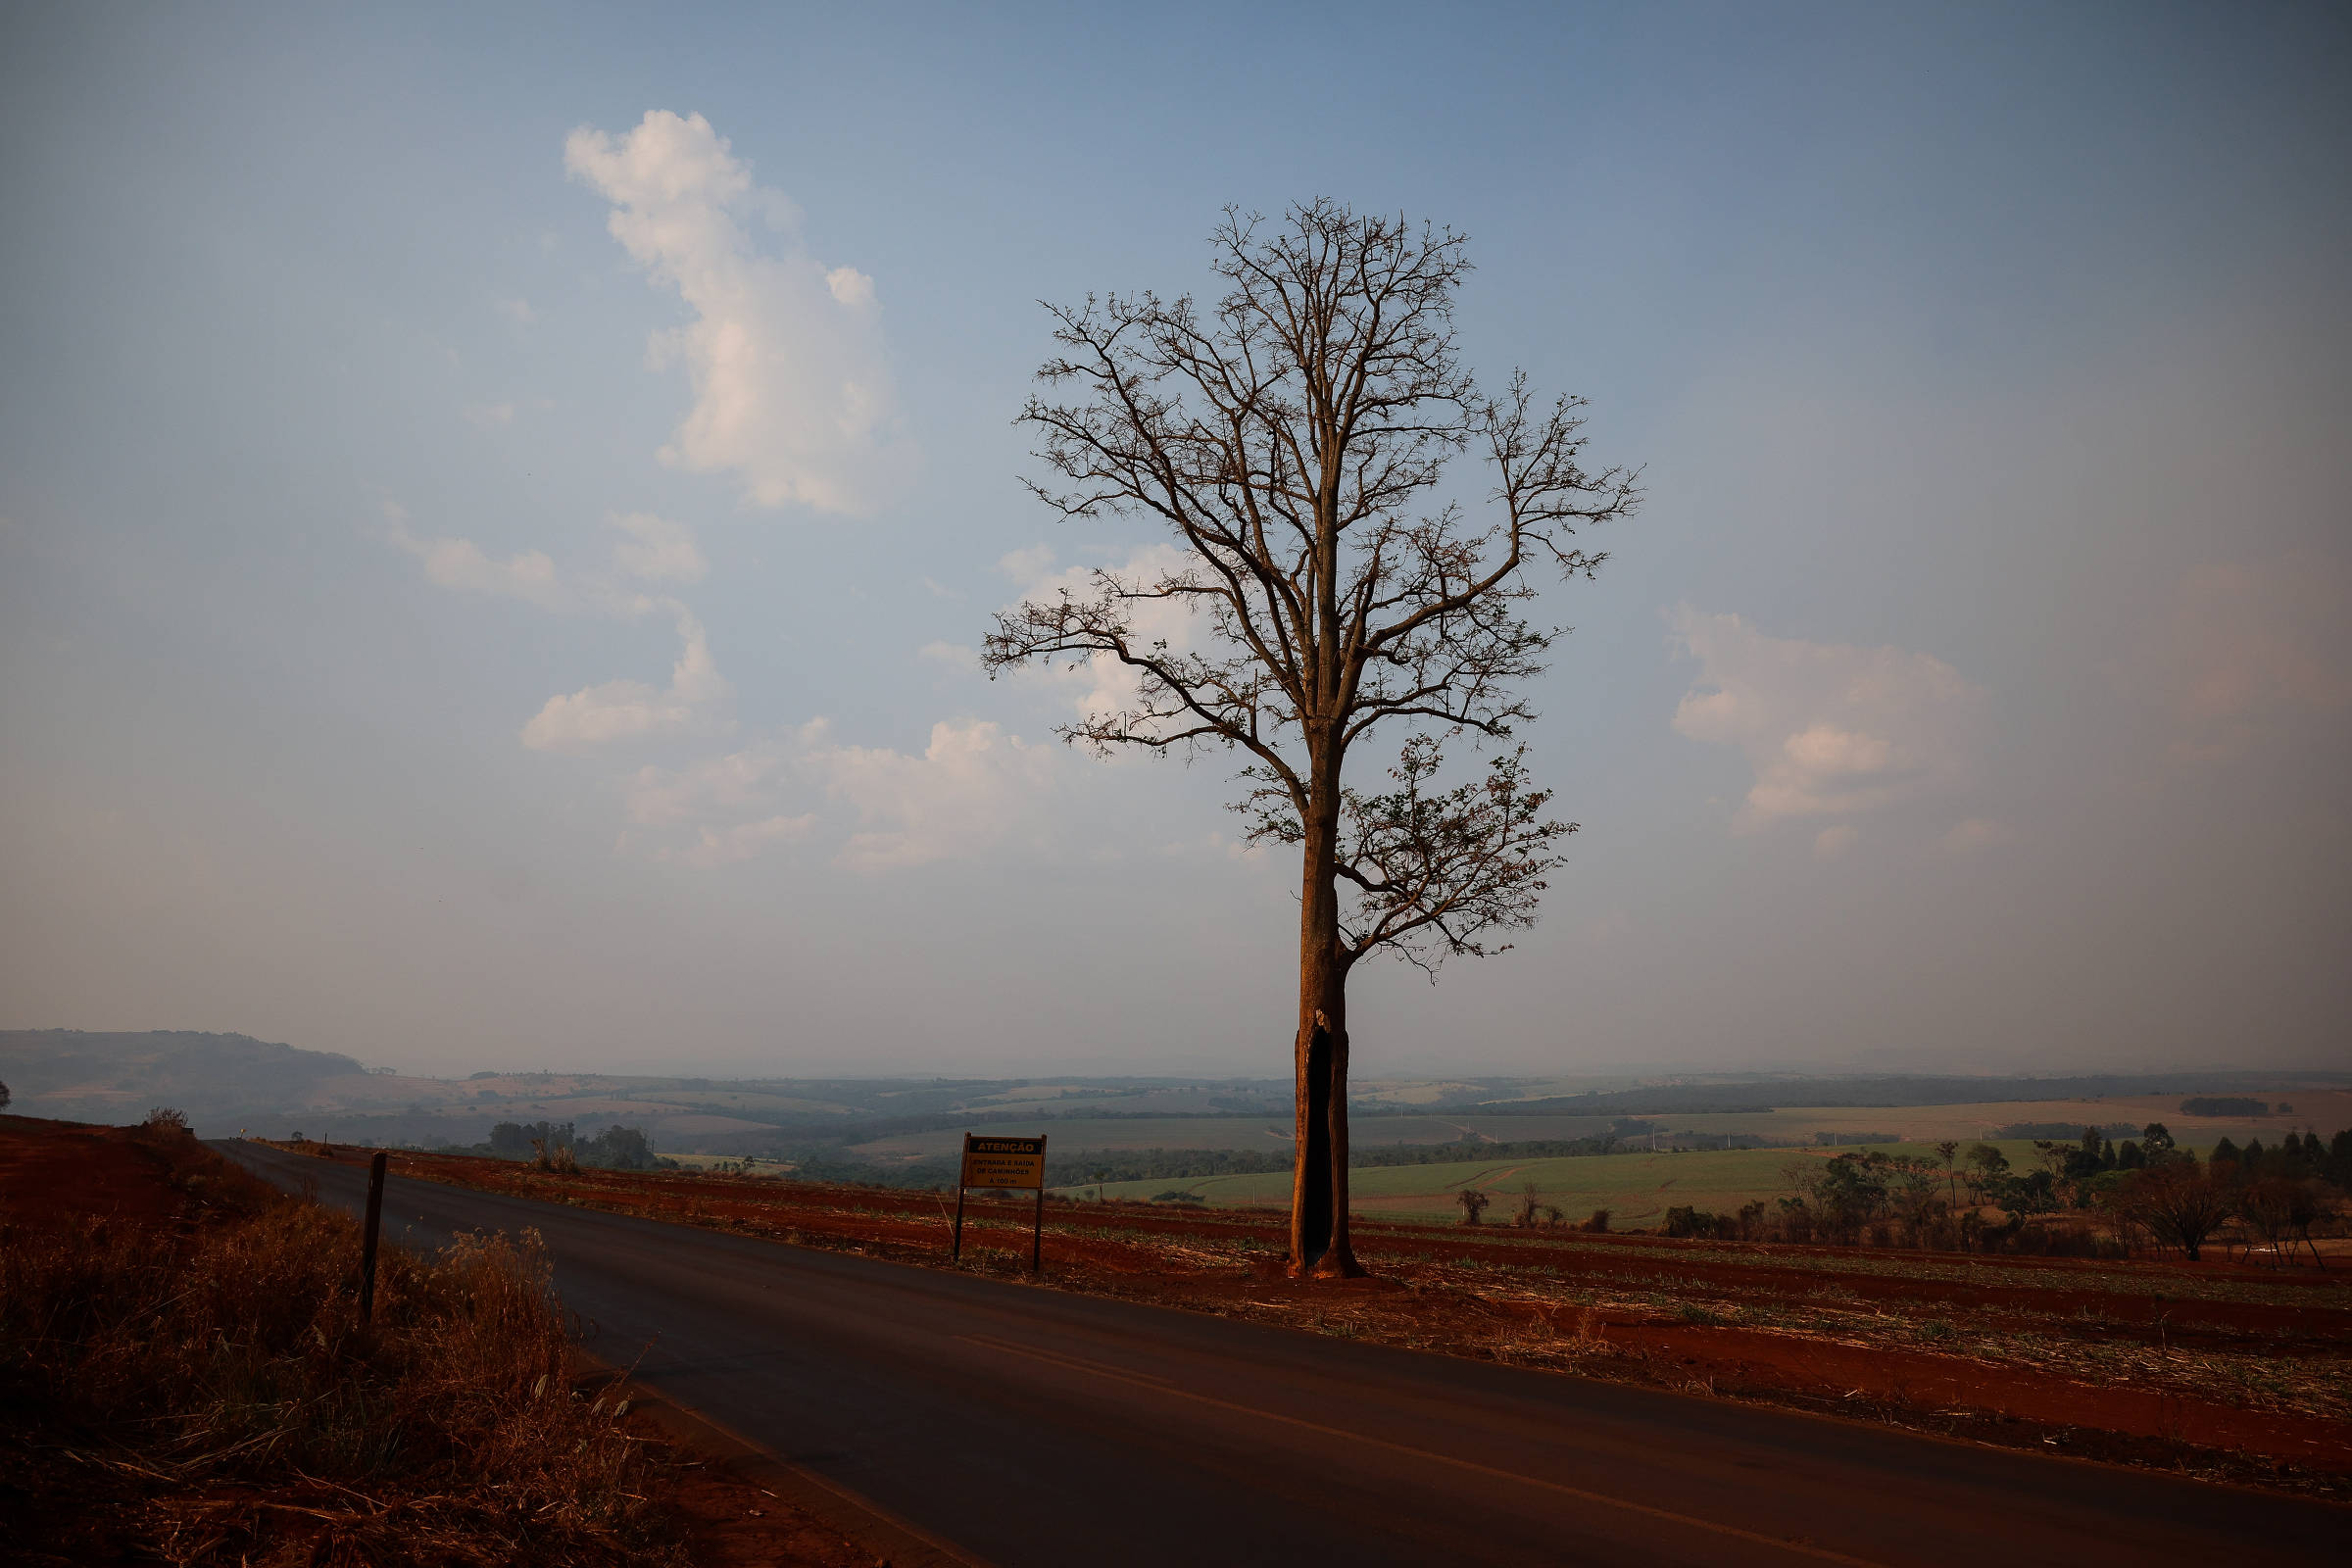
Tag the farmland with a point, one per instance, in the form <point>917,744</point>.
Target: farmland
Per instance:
<point>1915,1126</point>
<point>1636,1188</point>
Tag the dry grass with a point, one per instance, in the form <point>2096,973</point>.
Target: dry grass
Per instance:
<point>219,1386</point>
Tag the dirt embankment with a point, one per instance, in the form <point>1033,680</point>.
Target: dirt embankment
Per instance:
<point>2223,1370</point>
<point>117,1240</point>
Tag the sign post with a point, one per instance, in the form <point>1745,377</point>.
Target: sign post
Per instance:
<point>1007,1163</point>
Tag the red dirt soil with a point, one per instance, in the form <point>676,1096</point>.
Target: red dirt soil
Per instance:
<point>1430,1292</point>
<point>55,1173</point>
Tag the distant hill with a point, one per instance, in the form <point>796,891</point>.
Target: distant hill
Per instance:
<point>226,1082</point>
<point>84,1075</point>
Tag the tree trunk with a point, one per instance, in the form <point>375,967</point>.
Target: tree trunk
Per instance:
<point>1319,1242</point>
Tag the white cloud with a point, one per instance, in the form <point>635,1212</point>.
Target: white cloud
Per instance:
<point>745,782</point>
<point>463,565</point>
<point>849,286</point>
<point>1832,842</point>
<point>623,710</point>
<point>971,787</point>
<point>517,310</point>
<point>1831,730</point>
<point>726,806</point>
<point>652,550</point>
<point>489,415</point>
<point>791,387</point>
<point>658,550</point>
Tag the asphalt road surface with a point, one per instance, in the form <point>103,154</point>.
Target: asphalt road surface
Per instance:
<point>1032,1428</point>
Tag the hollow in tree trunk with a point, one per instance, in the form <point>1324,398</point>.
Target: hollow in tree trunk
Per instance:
<point>1319,1244</point>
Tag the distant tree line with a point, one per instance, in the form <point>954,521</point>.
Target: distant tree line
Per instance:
<point>1092,1167</point>
<point>614,1149</point>
<point>2147,1191</point>
<point>2229,1105</point>
<point>2024,1130</point>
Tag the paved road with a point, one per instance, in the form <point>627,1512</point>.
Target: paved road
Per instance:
<point>1033,1429</point>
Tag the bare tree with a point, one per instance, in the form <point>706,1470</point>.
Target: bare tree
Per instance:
<point>1293,439</point>
<point>2179,1204</point>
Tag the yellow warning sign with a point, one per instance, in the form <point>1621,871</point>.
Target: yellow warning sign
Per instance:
<point>1003,1162</point>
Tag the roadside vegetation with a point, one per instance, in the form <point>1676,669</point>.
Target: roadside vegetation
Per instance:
<point>191,1383</point>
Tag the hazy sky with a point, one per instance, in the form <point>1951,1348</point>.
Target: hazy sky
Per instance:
<point>497,506</point>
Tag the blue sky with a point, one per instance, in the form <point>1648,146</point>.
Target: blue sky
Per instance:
<point>450,610</point>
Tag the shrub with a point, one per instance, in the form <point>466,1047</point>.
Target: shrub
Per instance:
<point>1599,1224</point>
<point>1474,1203</point>
<point>2176,1202</point>
<point>164,1119</point>
<point>234,1361</point>
<point>2280,1210</point>
<point>1685,1221</point>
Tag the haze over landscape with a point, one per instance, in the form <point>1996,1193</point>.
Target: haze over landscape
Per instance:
<point>498,513</point>
<point>720,724</point>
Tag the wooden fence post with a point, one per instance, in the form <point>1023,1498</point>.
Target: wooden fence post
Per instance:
<point>375,1221</point>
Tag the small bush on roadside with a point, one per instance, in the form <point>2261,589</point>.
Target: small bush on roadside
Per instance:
<point>1599,1224</point>
<point>559,1159</point>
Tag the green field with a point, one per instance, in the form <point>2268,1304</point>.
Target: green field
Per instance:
<point>2321,1109</point>
<point>1637,1189</point>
